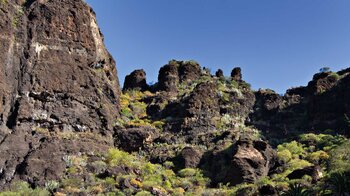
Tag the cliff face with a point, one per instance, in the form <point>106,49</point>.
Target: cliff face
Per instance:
<point>320,106</point>
<point>58,84</point>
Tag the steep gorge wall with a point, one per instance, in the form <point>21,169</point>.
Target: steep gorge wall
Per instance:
<point>59,91</point>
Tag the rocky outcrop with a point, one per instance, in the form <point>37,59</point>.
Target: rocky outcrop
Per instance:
<point>57,83</point>
<point>136,80</point>
<point>323,104</point>
<point>176,72</point>
<point>236,74</point>
<point>189,157</point>
<point>219,73</point>
<point>245,161</point>
<point>134,139</point>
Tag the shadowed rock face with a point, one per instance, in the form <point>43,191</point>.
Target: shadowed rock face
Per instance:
<point>245,161</point>
<point>56,78</point>
<point>176,72</point>
<point>136,80</point>
<point>323,104</point>
<point>236,74</point>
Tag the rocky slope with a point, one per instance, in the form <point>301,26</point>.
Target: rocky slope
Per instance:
<point>59,89</point>
<point>221,126</point>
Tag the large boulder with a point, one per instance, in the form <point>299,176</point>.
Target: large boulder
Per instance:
<point>315,172</point>
<point>134,139</point>
<point>189,157</point>
<point>59,89</point>
<point>245,161</point>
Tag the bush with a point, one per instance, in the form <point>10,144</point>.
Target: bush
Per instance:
<point>284,155</point>
<point>294,148</point>
<point>117,157</point>
<point>23,188</point>
<point>187,172</point>
<point>318,156</point>
<point>340,158</point>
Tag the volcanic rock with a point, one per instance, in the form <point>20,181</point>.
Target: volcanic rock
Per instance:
<point>176,72</point>
<point>219,73</point>
<point>245,161</point>
<point>56,80</point>
<point>136,80</point>
<point>236,74</point>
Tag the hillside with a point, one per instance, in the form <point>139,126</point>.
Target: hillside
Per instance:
<point>68,128</point>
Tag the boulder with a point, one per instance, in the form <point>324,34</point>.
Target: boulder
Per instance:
<point>189,157</point>
<point>315,172</point>
<point>245,161</point>
<point>133,139</point>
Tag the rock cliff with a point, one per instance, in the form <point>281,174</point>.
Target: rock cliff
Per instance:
<point>59,89</point>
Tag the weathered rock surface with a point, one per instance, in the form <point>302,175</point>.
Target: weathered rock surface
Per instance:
<point>176,72</point>
<point>189,157</point>
<point>315,172</point>
<point>56,79</point>
<point>136,80</point>
<point>219,73</point>
<point>236,74</point>
<point>245,161</point>
<point>323,104</point>
<point>134,139</point>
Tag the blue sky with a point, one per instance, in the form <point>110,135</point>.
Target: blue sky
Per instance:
<point>278,43</point>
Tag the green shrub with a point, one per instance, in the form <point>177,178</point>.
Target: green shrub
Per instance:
<point>284,155</point>
<point>187,172</point>
<point>143,193</point>
<point>339,183</point>
<point>295,148</point>
<point>340,158</point>
<point>23,188</point>
<point>296,190</point>
<point>117,157</point>
<point>318,156</point>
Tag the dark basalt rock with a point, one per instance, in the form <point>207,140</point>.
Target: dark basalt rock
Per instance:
<point>176,72</point>
<point>323,104</point>
<point>219,73</point>
<point>315,172</point>
<point>245,161</point>
<point>133,139</point>
<point>168,77</point>
<point>189,157</point>
<point>322,82</point>
<point>236,74</point>
<point>56,79</point>
<point>136,80</point>
<point>268,190</point>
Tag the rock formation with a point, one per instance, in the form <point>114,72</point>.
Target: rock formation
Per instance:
<point>136,80</point>
<point>59,89</point>
<point>236,74</point>
<point>219,73</point>
<point>323,104</point>
<point>245,161</point>
<point>176,72</point>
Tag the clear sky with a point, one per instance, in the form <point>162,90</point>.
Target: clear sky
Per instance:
<point>278,43</point>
